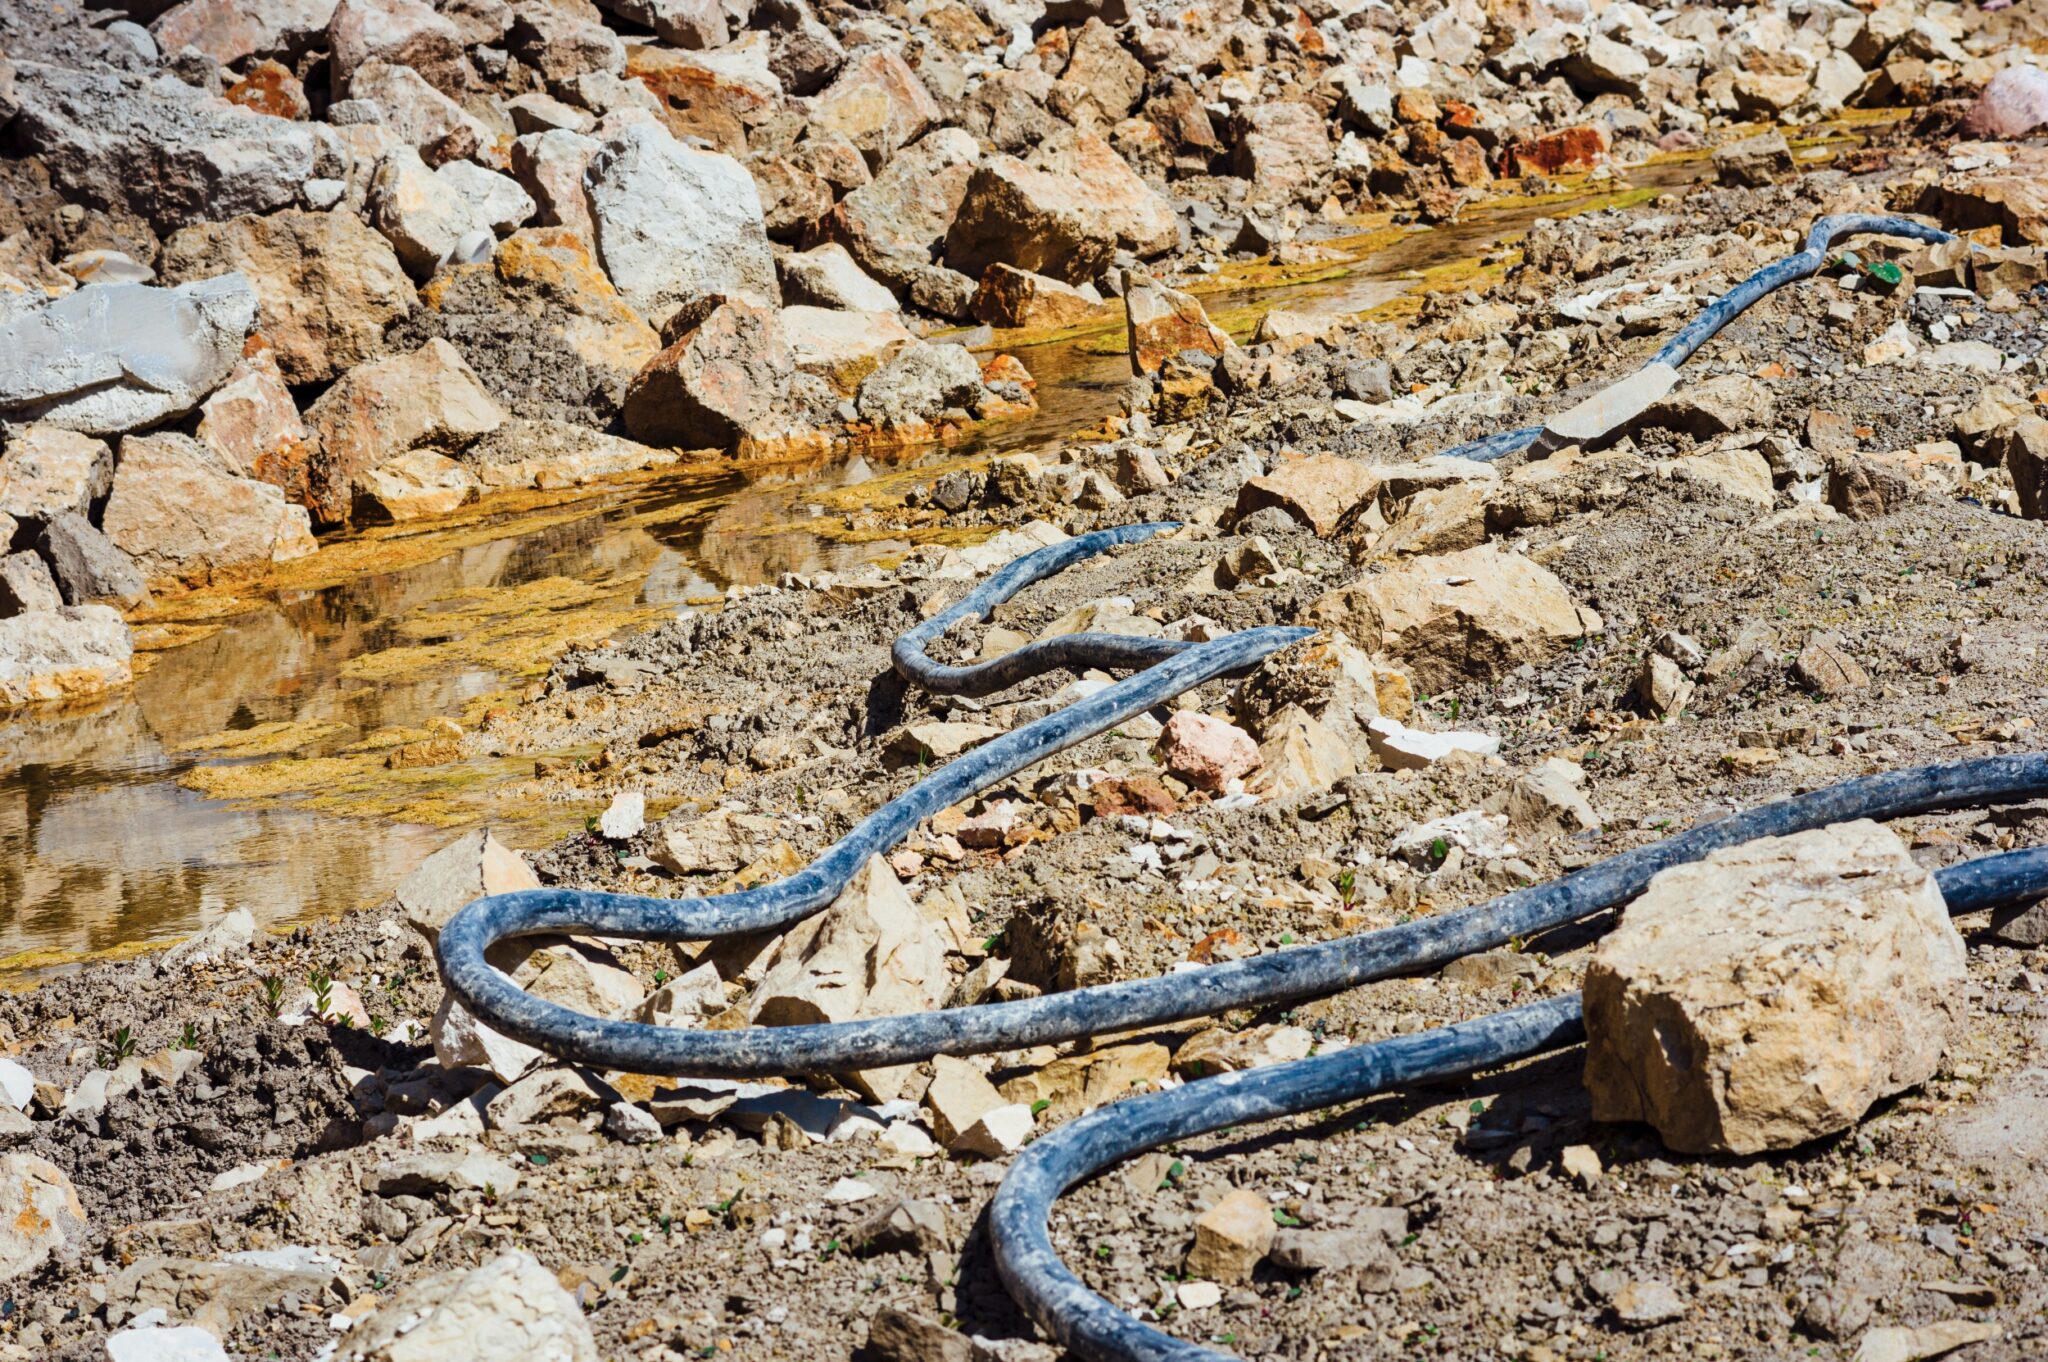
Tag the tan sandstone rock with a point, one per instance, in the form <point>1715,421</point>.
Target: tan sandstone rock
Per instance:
<point>1771,993</point>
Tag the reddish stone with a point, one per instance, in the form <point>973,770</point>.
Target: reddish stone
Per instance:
<point>1415,107</point>
<point>1465,163</point>
<point>1459,117</point>
<point>1138,794</point>
<point>1576,148</point>
<point>271,88</point>
<point>1207,752</point>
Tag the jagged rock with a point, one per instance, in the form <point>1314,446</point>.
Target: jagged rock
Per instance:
<point>1076,1083</point>
<point>40,1214</point>
<point>469,868</point>
<point>1768,995</point>
<point>412,486</point>
<point>552,455</point>
<point>893,225</point>
<point>1320,491</point>
<point>402,33</point>
<point>1161,322</point>
<point>230,30</point>
<point>877,103</point>
<point>918,384</point>
<point>434,1173</point>
<point>844,348</point>
<point>47,471</point>
<point>26,584</point>
<point>675,225</point>
<point>694,25</point>
<point>1476,613</point>
<point>163,150</point>
<point>431,123</point>
<point>87,566</point>
<point>510,1307</point>
<point>719,842</point>
<point>433,216</point>
<point>959,1096</point>
<point>1008,296</point>
<point>1300,756</point>
<point>1721,405</point>
<point>429,399</point>
<point>1232,1237</point>
<point>870,954</point>
<point>897,1335</point>
<point>75,653</point>
<point>1063,214</point>
<point>1549,799</point>
<point>1600,419</point>
<point>118,357</point>
<point>1401,748</point>
<point>326,284</point>
<point>1283,147</point>
<point>826,276</point>
<point>179,513</point>
<point>218,1295</point>
<point>1328,677</point>
<point>724,381</point>
<point>562,45</point>
<point>1206,752</point>
<point>252,425</point>
<point>544,1094</point>
<point>2023,449</point>
<point>541,326</point>
<point>549,166</point>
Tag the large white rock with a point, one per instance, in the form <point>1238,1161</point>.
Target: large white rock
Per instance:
<point>1768,995</point>
<point>675,224</point>
<point>174,1343</point>
<point>434,216</point>
<point>116,357</point>
<point>510,1307</point>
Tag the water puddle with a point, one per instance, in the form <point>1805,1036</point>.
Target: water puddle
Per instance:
<point>279,750</point>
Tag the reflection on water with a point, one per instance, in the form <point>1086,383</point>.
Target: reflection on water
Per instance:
<point>100,846</point>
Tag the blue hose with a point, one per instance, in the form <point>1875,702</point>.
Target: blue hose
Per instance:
<point>1730,305</point>
<point>1166,668</point>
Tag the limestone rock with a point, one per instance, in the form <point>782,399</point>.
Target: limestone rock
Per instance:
<point>1769,994</point>
<point>510,1307</point>
<point>1598,420</point>
<point>1319,492</point>
<point>180,514</point>
<point>2023,449</point>
<point>118,357</point>
<point>429,399</point>
<point>402,33</point>
<point>877,103</point>
<point>40,1214</point>
<point>229,30</point>
<point>1161,322</point>
<point>826,276</point>
<point>1231,1237</point>
<point>1328,678</point>
<point>87,566</point>
<point>959,1096</point>
<point>893,225</point>
<point>1402,748</point>
<point>1476,613</point>
<point>2014,104</point>
<point>675,225</point>
<point>75,653</point>
<point>163,150</point>
<point>870,954</point>
<point>326,284</point>
<point>724,381</point>
<point>433,216</point>
<point>1208,753</point>
<point>919,384</point>
<point>1283,147</point>
<point>419,115</point>
<point>546,1093</point>
<point>47,471</point>
<point>1753,162</point>
<point>1719,406</point>
<point>26,584</point>
<point>694,25</point>
<point>252,425</point>
<point>1010,297</point>
<point>1064,213</point>
<point>414,485</point>
<point>1300,756</point>
<point>843,348</point>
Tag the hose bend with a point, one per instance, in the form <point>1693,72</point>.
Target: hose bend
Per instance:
<point>1163,669</point>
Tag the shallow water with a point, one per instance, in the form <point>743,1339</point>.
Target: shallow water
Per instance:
<point>103,847</point>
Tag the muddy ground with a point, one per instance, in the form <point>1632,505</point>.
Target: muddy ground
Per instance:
<point>1934,1208</point>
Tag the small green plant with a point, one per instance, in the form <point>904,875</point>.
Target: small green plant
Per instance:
<point>1439,849</point>
<point>188,1039</point>
<point>117,1047</point>
<point>273,994</point>
<point>379,1024</point>
<point>1347,887</point>
<point>1040,1105</point>
<point>322,985</point>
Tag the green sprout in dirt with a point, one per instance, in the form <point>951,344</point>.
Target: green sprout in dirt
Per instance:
<point>322,984</point>
<point>273,994</point>
<point>117,1047</point>
<point>379,1024</point>
<point>188,1038</point>
<point>1347,887</point>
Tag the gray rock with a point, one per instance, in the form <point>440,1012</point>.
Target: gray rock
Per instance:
<point>826,276</point>
<point>919,384</point>
<point>48,470</point>
<point>629,1124</point>
<point>26,584</point>
<point>903,1227</point>
<point>163,150</point>
<point>117,357</point>
<point>2026,925</point>
<point>512,1306</point>
<point>426,1173</point>
<point>675,225</point>
<point>1598,419</point>
<point>87,566</point>
<point>693,25</point>
<point>896,1335</point>
<point>1299,1250</point>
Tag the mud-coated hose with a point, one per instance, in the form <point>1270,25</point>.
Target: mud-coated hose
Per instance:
<point>1024,1255</point>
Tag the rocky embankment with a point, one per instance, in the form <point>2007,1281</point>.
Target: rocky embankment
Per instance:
<point>1815,556</point>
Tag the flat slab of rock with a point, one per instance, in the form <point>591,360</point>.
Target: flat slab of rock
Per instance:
<point>51,656</point>
<point>1604,415</point>
<point>512,1306</point>
<point>1768,995</point>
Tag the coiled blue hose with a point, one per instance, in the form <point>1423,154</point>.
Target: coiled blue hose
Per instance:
<point>1031,1271</point>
